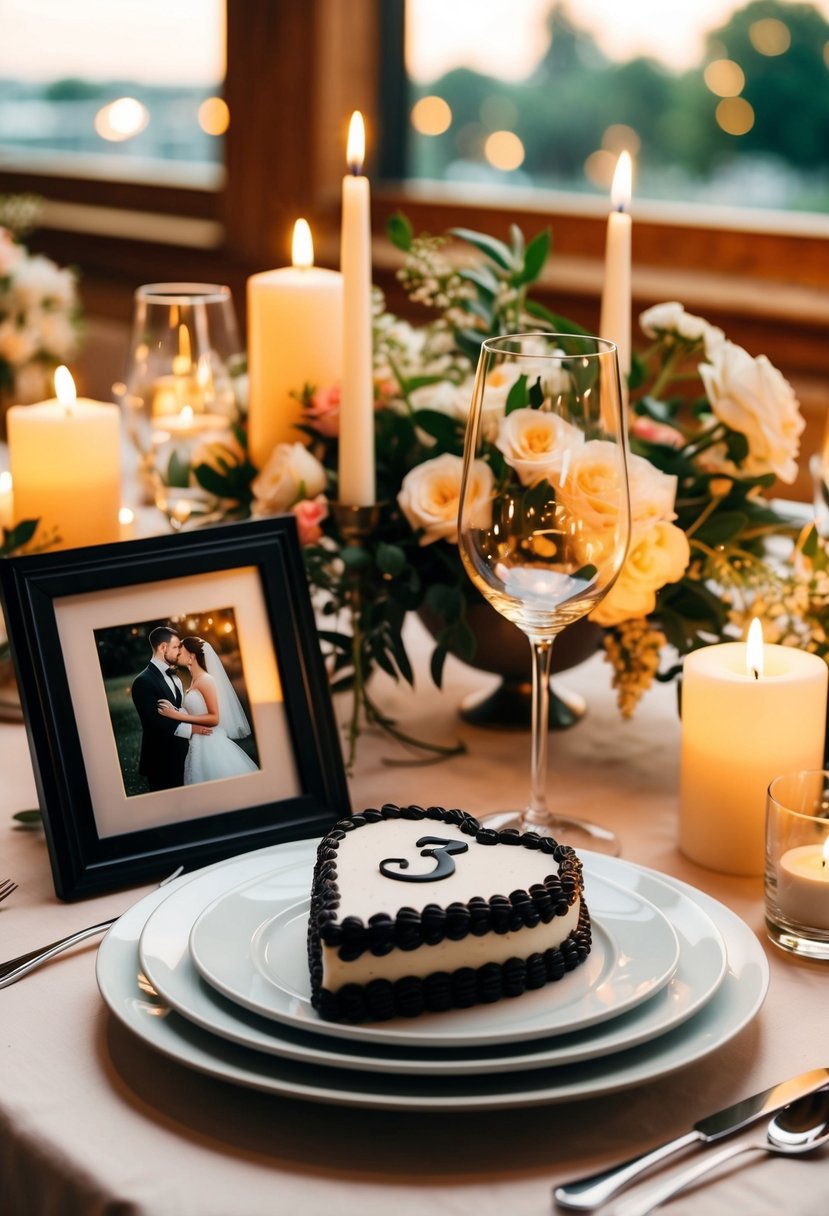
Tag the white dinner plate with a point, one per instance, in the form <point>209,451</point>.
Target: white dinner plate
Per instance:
<point>250,945</point>
<point>166,962</point>
<point>732,1007</point>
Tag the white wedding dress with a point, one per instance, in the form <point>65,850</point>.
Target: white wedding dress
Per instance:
<point>210,757</point>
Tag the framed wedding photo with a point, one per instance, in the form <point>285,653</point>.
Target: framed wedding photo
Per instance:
<point>175,700</point>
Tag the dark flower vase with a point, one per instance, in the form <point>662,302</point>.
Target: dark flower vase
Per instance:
<point>504,650</point>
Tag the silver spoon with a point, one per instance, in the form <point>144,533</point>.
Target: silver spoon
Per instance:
<point>799,1128</point>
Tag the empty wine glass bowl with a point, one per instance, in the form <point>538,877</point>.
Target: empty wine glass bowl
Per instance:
<point>180,387</point>
<point>544,521</point>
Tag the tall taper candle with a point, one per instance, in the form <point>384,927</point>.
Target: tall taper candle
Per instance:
<point>356,459</point>
<point>616,301</point>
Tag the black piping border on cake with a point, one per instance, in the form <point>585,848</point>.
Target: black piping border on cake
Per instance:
<point>409,929</point>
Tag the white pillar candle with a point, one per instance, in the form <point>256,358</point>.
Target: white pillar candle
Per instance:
<point>616,297</point>
<point>65,461</point>
<point>746,717</point>
<point>803,885</point>
<point>295,337</point>
<point>356,453</point>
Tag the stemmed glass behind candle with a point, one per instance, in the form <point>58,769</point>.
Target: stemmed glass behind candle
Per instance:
<point>544,521</point>
<point>179,393</point>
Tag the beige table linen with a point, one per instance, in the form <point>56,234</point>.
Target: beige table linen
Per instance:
<point>94,1122</point>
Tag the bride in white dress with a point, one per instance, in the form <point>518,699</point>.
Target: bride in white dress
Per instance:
<point>210,701</point>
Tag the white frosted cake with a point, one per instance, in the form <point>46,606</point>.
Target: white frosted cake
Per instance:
<point>407,915</point>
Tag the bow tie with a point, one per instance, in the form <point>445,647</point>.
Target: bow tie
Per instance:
<point>171,671</point>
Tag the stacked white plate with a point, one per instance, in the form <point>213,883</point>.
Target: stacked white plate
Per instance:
<point>672,976</point>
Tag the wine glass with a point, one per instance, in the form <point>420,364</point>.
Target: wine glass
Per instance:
<point>179,391</point>
<point>544,519</point>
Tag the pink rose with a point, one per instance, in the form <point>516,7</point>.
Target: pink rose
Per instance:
<point>323,414</point>
<point>309,514</point>
<point>656,432</point>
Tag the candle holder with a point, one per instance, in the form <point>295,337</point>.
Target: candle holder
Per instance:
<point>797,863</point>
<point>355,524</point>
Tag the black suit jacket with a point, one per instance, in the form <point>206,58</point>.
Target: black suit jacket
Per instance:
<point>162,751</point>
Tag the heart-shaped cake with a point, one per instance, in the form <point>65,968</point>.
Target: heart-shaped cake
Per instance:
<point>408,914</point>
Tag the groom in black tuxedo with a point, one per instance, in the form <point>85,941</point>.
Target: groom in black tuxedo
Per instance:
<point>164,742</point>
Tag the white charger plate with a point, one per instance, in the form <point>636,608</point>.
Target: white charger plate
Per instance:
<point>250,945</point>
<point>166,962</point>
<point>732,1007</point>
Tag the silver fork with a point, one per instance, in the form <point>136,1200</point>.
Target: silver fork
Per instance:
<point>14,969</point>
<point>6,888</point>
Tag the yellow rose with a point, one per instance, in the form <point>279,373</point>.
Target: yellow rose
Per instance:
<point>659,556</point>
<point>290,474</point>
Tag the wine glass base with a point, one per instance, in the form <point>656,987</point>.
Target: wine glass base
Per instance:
<point>578,833</point>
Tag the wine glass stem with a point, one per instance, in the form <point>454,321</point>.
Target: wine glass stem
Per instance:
<point>542,649</point>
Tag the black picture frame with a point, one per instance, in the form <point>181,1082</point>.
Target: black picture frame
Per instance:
<point>54,603</point>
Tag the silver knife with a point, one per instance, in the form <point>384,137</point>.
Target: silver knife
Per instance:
<point>588,1193</point>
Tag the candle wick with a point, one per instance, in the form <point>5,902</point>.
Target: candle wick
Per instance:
<point>756,673</point>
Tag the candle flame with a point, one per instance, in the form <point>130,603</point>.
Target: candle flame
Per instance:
<point>186,413</point>
<point>302,248</point>
<point>754,649</point>
<point>126,516</point>
<point>622,187</point>
<point>65,386</point>
<point>356,148</point>
<point>5,482</point>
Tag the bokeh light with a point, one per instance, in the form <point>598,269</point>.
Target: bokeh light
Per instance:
<point>769,36</point>
<point>504,150</point>
<point>599,168</point>
<point>621,138</point>
<point>724,77</point>
<point>214,116</point>
<point>735,115</point>
<point>431,116</point>
<point>121,119</point>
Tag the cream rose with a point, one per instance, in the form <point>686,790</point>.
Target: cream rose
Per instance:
<point>751,396</point>
<point>589,486</point>
<point>671,318</point>
<point>660,556</point>
<point>291,473</point>
<point>430,496</point>
<point>535,443</point>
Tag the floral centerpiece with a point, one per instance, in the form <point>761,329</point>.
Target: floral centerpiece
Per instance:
<point>39,321</point>
<point>711,428</point>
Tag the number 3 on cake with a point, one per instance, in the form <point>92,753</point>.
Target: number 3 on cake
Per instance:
<point>441,853</point>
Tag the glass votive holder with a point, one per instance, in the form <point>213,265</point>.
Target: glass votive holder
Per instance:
<point>797,863</point>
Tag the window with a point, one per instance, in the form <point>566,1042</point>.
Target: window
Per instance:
<point>109,91</point>
<point>719,102</point>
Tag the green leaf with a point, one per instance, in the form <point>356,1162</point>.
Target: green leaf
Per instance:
<point>391,559</point>
<point>482,277</point>
<point>355,558</point>
<point>436,664</point>
<point>439,426</point>
<point>212,480</point>
<point>535,257</point>
<point>29,819</point>
<point>558,323</point>
<point>736,444</point>
<point>494,249</point>
<point>178,471</point>
<point>400,231</point>
<point>722,527</point>
<point>536,395</point>
<point>517,397</point>
<point>469,342</point>
<point>19,535</point>
<point>809,545</point>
